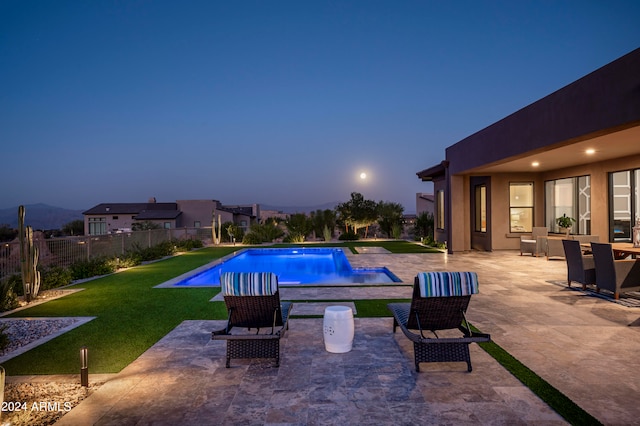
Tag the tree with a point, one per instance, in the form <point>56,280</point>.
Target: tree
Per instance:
<point>75,227</point>
<point>424,225</point>
<point>322,219</point>
<point>358,213</point>
<point>299,226</point>
<point>390,217</point>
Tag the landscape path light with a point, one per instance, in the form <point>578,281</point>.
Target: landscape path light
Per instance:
<point>84,368</point>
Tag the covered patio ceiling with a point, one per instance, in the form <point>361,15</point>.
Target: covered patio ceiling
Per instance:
<point>619,144</point>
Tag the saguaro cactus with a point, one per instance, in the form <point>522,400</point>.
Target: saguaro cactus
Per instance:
<point>216,236</point>
<point>28,259</point>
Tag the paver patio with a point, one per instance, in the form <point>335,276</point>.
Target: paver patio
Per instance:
<point>585,346</point>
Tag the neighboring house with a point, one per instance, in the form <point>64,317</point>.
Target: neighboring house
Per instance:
<point>574,152</point>
<point>107,218</point>
<point>424,203</point>
<point>243,215</point>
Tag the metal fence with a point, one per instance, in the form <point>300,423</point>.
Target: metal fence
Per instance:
<point>65,251</point>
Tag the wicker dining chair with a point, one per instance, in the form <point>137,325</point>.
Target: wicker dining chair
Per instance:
<point>439,302</point>
<point>616,276</point>
<point>253,303</point>
<point>580,267</point>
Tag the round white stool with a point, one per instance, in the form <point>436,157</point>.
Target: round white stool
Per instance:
<point>338,329</point>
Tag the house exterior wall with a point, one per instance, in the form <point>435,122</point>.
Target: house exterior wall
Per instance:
<point>501,238</point>
<point>194,211</point>
<point>424,203</point>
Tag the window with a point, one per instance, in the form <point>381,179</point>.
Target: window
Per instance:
<point>481,208</point>
<point>97,226</point>
<point>624,203</point>
<point>114,217</point>
<point>570,196</point>
<point>440,209</point>
<point>167,225</point>
<point>520,207</point>
<point>196,224</point>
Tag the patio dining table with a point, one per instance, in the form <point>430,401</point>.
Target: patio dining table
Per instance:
<point>620,250</point>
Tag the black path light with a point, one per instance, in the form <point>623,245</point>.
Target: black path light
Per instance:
<point>84,369</point>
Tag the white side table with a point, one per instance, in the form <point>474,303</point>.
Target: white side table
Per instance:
<point>338,329</point>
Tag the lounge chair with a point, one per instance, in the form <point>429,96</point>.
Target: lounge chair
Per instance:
<point>439,302</point>
<point>533,243</point>
<point>617,276</point>
<point>253,302</point>
<point>580,268</point>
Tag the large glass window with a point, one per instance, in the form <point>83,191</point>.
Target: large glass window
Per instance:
<point>440,209</point>
<point>571,197</point>
<point>520,206</point>
<point>481,208</point>
<point>97,226</point>
<point>624,203</point>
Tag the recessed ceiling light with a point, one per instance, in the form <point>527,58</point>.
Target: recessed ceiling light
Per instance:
<point>590,151</point>
<point>535,164</point>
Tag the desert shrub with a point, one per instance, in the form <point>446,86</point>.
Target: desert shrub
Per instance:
<point>326,233</point>
<point>91,268</point>
<point>262,233</point>
<point>349,236</point>
<point>250,238</point>
<point>186,245</point>
<point>54,277</point>
<point>8,296</point>
<point>165,248</point>
<point>294,237</point>
<point>130,259</point>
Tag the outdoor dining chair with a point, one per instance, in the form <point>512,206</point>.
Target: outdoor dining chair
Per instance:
<point>439,302</point>
<point>253,303</point>
<point>617,276</point>
<point>580,268</point>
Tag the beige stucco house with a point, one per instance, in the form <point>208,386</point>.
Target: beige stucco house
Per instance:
<point>574,152</point>
<point>107,218</point>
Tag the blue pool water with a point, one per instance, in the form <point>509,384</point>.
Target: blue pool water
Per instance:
<point>297,266</point>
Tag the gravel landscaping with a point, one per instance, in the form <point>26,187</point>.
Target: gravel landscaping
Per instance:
<point>38,402</point>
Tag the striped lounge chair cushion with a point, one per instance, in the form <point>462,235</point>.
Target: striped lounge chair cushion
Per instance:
<point>441,284</point>
<point>249,283</point>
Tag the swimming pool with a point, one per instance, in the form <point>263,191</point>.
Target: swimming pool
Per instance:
<point>293,266</point>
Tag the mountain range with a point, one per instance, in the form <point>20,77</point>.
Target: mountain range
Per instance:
<point>40,216</point>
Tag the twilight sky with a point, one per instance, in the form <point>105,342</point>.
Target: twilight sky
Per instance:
<point>273,102</point>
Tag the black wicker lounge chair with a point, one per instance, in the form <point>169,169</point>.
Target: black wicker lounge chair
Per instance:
<point>580,268</point>
<point>253,303</point>
<point>439,302</point>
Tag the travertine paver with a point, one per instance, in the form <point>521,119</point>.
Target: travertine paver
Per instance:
<point>584,346</point>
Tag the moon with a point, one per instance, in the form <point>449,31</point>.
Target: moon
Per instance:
<point>363,175</point>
